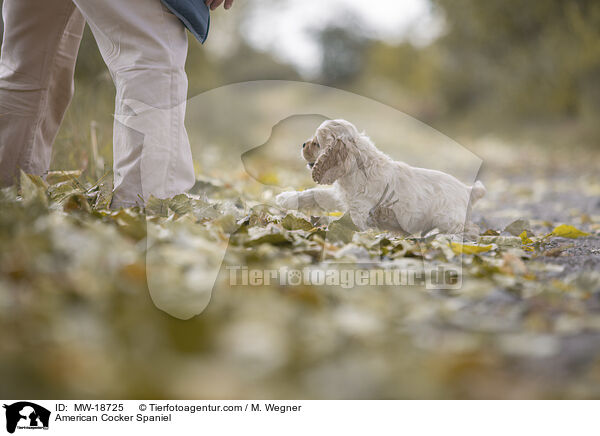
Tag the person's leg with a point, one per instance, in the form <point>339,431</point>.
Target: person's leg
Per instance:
<point>145,47</point>
<point>39,50</point>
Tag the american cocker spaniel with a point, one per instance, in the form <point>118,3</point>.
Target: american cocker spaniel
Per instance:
<point>377,191</point>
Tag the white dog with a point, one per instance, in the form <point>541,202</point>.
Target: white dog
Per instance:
<point>377,191</point>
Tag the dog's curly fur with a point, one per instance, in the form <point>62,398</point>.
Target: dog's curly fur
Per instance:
<point>377,191</point>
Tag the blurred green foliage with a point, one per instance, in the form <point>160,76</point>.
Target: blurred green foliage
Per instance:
<point>522,59</point>
<point>497,64</point>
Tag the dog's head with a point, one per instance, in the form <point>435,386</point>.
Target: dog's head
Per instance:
<point>328,152</point>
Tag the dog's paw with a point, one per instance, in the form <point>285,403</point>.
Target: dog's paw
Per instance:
<point>287,200</point>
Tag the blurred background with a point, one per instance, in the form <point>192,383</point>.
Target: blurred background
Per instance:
<point>467,68</point>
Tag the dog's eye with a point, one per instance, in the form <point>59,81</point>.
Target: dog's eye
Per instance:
<point>304,145</point>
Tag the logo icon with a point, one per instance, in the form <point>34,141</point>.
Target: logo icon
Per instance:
<point>26,415</point>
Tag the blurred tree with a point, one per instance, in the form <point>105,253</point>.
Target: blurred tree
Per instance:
<point>404,76</point>
<point>498,65</point>
<point>344,49</point>
<point>524,59</point>
<point>343,55</point>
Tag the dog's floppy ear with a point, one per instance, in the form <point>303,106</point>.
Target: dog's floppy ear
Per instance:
<point>330,166</point>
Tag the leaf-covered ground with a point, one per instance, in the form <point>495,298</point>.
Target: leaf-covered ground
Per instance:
<point>77,319</point>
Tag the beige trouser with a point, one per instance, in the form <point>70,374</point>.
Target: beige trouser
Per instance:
<point>144,47</point>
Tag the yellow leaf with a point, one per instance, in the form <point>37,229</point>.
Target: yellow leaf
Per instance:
<point>524,238</point>
<point>469,249</point>
<point>567,231</point>
<point>335,213</point>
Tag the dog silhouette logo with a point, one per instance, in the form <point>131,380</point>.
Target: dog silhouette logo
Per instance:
<point>26,415</point>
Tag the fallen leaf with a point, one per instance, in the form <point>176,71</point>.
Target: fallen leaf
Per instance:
<point>180,204</point>
<point>267,235</point>
<point>567,231</point>
<point>469,249</point>
<point>524,239</point>
<point>341,230</point>
<point>292,222</point>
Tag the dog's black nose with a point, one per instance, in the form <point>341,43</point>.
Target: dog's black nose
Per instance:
<point>304,145</point>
